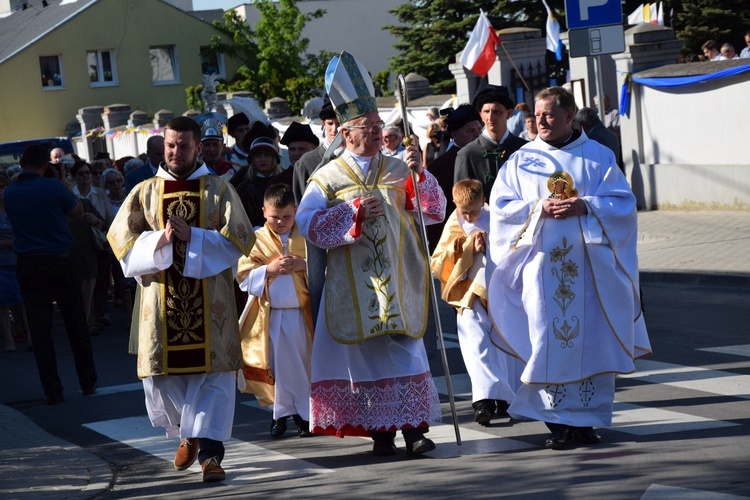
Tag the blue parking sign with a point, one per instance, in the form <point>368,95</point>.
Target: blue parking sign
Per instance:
<point>589,13</point>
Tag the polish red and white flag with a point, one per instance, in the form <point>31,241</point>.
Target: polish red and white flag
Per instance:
<point>479,54</point>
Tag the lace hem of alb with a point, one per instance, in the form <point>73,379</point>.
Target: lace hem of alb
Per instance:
<point>386,404</point>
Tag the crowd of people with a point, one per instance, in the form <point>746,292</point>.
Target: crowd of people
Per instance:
<point>713,50</point>
<point>309,286</point>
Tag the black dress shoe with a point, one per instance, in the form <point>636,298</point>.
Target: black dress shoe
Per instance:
<point>586,435</point>
<point>558,439</point>
<point>483,410</point>
<point>383,443</point>
<point>303,426</point>
<point>420,446</point>
<point>416,443</point>
<point>278,427</point>
<point>55,399</point>
<point>501,408</point>
<point>90,390</point>
<point>383,448</point>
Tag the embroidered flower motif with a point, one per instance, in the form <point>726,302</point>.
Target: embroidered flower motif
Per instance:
<point>564,293</point>
<point>372,303</point>
<point>570,268</point>
<point>214,220</point>
<point>367,264</point>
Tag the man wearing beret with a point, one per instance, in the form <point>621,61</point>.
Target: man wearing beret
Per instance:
<point>237,125</point>
<point>482,158</point>
<point>298,139</point>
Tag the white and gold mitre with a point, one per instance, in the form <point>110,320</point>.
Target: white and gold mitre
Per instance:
<point>350,87</point>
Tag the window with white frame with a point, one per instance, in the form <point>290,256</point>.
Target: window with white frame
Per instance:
<point>164,69</point>
<point>212,62</point>
<point>102,67</point>
<point>51,70</point>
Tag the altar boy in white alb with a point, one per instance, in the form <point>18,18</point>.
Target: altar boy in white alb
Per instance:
<point>563,292</point>
<point>459,263</point>
<point>276,326</point>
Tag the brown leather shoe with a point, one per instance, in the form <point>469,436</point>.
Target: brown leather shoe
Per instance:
<point>186,454</point>
<point>212,471</point>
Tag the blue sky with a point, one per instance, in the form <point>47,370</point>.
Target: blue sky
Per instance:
<point>215,4</point>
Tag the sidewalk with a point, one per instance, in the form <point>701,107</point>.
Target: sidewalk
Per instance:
<point>36,464</point>
<point>686,247</point>
<point>701,247</point>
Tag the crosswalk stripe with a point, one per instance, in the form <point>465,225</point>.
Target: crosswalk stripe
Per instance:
<point>474,441</point>
<point>114,389</point>
<point>245,462</point>
<point>663,492</point>
<point>643,421</point>
<point>737,350</point>
<point>628,418</point>
<point>691,377</point>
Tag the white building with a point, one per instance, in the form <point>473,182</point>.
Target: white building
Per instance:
<point>352,25</point>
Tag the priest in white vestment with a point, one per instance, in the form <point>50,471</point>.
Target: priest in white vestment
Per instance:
<point>563,287</point>
<point>180,234</point>
<point>370,373</point>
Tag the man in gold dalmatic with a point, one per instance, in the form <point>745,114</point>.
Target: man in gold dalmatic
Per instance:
<point>181,234</point>
<point>370,375</point>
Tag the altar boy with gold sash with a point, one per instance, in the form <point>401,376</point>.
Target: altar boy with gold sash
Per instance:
<point>459,263</point>
<point>180,235</point>
<point>276,325</point>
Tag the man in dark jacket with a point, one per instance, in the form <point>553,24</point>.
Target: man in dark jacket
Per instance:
<point>37,208</point>
<point>482,158</point>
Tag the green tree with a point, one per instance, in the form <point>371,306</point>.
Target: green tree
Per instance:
<point>696,21</point>
<point>274,55</point>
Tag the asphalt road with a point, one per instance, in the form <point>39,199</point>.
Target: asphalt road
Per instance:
<point>680,428</point>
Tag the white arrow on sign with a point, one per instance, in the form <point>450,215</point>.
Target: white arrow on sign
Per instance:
<point>585,5</point>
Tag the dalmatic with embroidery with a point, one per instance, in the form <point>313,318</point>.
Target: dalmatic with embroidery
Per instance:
<point>186,325</point>
<point>380,287</point>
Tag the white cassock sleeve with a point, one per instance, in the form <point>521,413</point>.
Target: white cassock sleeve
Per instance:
<point>208,254</point>
<point>254,282</point>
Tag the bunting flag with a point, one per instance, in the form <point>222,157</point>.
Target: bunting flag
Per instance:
<point>648,13</point>
<point>553,33</point>
<point>479,54</point>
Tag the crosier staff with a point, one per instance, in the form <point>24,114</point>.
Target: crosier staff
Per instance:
<point>408,141</point>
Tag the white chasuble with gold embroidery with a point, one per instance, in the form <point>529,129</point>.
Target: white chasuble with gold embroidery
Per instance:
<point>563,293</point>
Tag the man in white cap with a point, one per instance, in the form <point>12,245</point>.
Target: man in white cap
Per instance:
<point>263,156</point>
<point>212,139</point>
<point>370,374</point>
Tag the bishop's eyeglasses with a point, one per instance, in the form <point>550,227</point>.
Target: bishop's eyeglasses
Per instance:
<point>369,127</point>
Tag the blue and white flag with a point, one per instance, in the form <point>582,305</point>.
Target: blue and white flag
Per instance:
<point>553,33</point>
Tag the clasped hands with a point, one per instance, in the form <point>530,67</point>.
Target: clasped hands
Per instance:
<point>560,209</point>
<point>286,264</point>
<point>176,228</point>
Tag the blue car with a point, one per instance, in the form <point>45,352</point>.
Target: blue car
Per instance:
<point>10,152</point>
